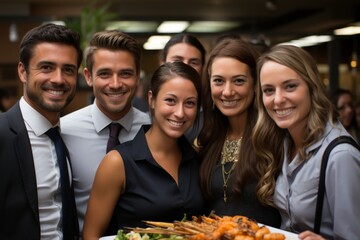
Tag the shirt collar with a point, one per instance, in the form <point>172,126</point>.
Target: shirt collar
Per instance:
<point>36,121</point>
<point>188,153</point>
<point>101,121</point>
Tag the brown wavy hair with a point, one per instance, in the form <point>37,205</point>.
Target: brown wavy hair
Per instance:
<point>268,138</point>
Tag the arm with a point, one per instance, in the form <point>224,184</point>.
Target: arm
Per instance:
<point>108,185</point>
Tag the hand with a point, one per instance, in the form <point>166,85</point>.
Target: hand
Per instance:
<point>308,235</point>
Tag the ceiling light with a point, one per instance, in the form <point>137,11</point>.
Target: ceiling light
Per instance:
<point>13,33</point>
<point>212,26</point>
<point>61,23</point>
<point>172,26</point>
<point>156,42</point>
<point>132,26</point>
<point>310,40</point>
<point>351,30</point>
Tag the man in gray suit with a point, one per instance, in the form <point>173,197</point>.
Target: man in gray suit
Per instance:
<point>31,200</point>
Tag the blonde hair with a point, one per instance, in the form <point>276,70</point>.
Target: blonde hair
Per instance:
<point>268,138</point>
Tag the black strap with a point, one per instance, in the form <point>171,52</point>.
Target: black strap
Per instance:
<point>321,189</point>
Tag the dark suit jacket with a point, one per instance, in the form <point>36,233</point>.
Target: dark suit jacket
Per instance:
<point>19,215</point>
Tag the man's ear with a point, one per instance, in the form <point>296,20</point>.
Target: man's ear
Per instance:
<point>22,72</point>
<point>88,78</point>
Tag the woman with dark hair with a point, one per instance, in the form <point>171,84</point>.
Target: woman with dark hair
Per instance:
<point>344,103</point>
<point>187,49</point>
<point>184,48</point>
<point>232,178</point>
<point>156,175</point>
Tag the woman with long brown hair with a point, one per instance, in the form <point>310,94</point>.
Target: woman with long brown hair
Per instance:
<point>232,179</point>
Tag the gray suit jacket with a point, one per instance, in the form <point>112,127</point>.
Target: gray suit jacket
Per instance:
<point>19,215</point>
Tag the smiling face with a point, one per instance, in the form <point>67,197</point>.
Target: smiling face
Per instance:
<point>114,80</point>
<point>232,86</point>
<point>50,81</point>
<point>183,52</point>
<point>346,110</point>
<point>175,106</point>
<point>285,96</point>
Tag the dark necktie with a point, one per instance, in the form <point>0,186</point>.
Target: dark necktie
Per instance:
<point>114,130</point>
<point>69,218</point>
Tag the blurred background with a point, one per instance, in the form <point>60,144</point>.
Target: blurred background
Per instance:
<point>328,29</point>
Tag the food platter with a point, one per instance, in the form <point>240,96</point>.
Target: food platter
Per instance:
<point>210,227</point>
<point>288,235</point>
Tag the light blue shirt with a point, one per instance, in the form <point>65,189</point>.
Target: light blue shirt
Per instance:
<point>86,134</point>
<point>297,186</point>
<point>46,171</point>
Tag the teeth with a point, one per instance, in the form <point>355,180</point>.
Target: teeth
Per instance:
<point>176,123</point>
<point>229,103</point>
<point>56,92</point>
<point>283,112</point>
<point>115,94</point>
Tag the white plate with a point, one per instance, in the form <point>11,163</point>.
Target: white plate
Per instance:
<point>288,235</point>
<point>108,237</point>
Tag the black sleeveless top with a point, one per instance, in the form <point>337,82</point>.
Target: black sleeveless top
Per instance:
<point>246,204</point>
<point>150,192</point>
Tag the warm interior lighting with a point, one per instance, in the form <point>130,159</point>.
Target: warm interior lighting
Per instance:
<point>351,30</point>
<point>13,33</point>
<point>156,42</point>
<point>132,26</point>
<point>212,26</point>
<point>62,23</point>
<point>310,40</point>
<point>172,26</point>
<point>353,63</point>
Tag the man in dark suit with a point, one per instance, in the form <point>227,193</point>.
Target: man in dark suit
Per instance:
<point>31,200</point>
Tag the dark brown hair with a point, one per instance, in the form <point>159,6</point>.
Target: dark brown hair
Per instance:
<point>113,40</point>
<point>183,38</point>
<point>216,125</point>
<point>170,70</point>
<point>52,33</point>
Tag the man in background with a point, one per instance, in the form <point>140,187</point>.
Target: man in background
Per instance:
<point>7,98</point>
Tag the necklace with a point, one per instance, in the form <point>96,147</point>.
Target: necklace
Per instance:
<point>229,154</point>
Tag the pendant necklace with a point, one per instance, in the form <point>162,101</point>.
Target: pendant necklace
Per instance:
<point>229,154</point>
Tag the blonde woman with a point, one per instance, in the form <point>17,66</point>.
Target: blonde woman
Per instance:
<point>297,121</point>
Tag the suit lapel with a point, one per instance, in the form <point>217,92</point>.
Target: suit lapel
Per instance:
<point>23,150</point>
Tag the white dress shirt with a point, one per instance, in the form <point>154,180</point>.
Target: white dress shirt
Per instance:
<point>46,171</point>
<point>86,134</point>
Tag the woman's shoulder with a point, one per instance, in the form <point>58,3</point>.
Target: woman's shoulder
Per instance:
<point>341,150</point>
